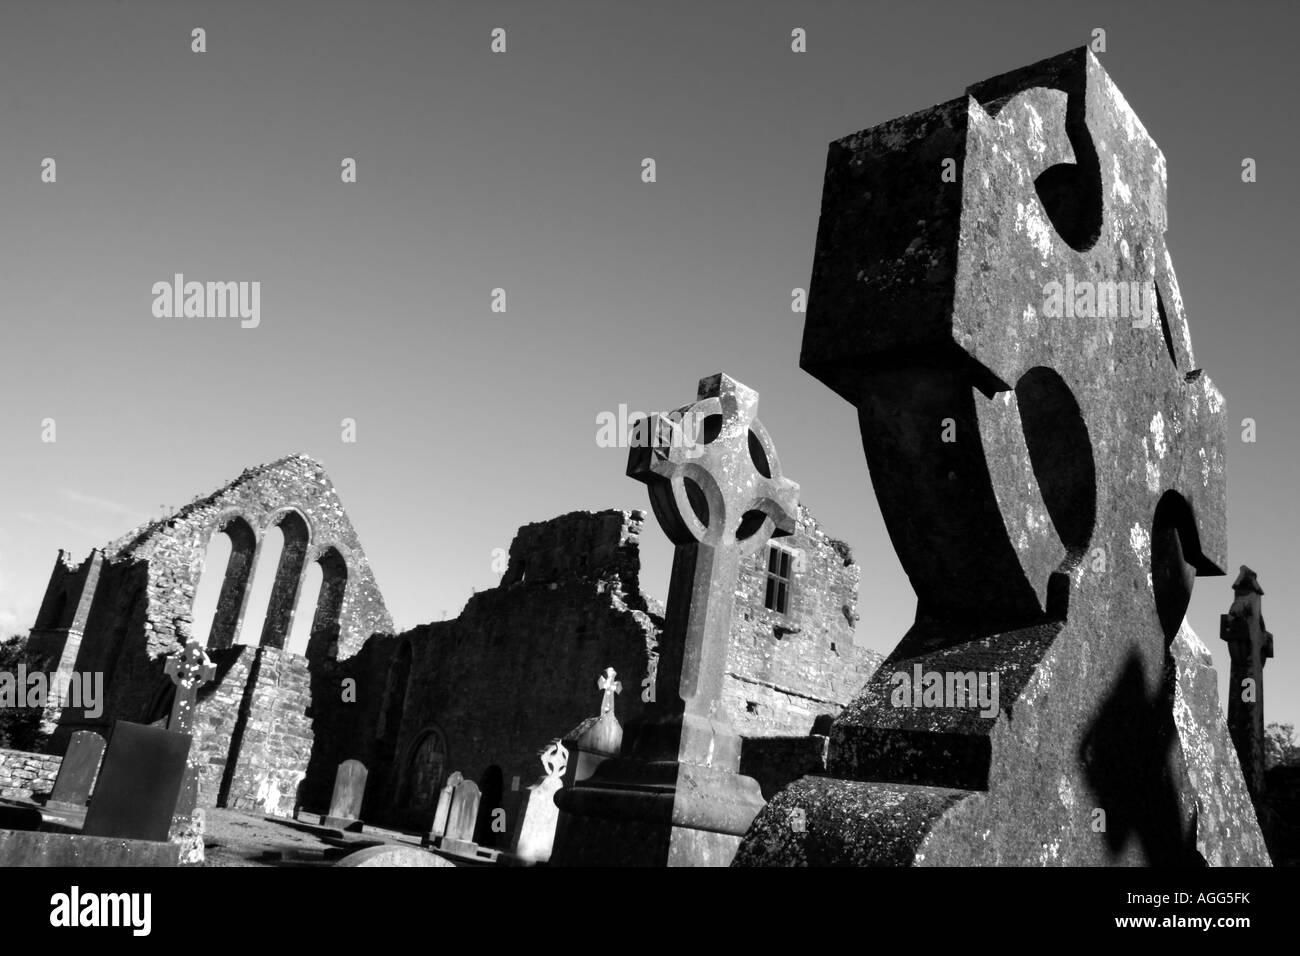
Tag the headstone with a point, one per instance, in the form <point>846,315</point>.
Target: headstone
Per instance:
<point>443,810</point>
<point>1250,645</point>
<point>139,783</point>
<point>1050,465</point>
<point>188,671</point>
<point>539,814</point>
<point>77,772</point>
<point>719,496</point>
<point>461,819</point>
<point>349,790</point>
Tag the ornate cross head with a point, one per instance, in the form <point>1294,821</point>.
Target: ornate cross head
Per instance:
<point>190,668</point>
<point>722,485</point>
<point>555,759</point>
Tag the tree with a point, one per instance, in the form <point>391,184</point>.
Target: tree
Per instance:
<point>1280,749</point>
<point>20,728</point>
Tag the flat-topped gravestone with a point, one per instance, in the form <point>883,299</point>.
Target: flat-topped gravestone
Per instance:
<point>674,796</point>
<point>77,772</point>
<point>992,291</point>
<point>139,783</point>
<point>349,791</point>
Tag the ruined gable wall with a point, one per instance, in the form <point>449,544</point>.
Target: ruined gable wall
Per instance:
<point>784,670</point>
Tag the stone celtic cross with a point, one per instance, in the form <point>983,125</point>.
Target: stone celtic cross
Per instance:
<point>610,686</point>
<point>555,759</point>
<point>189,670</point>
<point>719,496</point>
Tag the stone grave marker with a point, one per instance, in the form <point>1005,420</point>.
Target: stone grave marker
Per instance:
<point>443,809</point>
<point>539,814</point>
<point>461,819</point>
<point>349,791</point>
<point>1050,464</point>
<point>77,772</point>
<point>139,783</point>
<point>719,495</point>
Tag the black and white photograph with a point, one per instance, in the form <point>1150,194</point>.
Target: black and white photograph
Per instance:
<point>577,435</point>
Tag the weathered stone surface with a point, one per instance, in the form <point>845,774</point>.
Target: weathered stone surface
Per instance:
<point>26,848</point>
<point>24,775</point>
<point>1052,485</point>
<point>139,783</point>
<point>78,770</point>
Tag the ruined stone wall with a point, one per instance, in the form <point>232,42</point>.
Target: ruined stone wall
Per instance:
<point>23,774</point>
<point>519,666</point>
<point>253,732</point>
<point>135,602</point>
<point>785,670</point>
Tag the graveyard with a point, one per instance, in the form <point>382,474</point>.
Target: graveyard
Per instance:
<point>1053,486</point>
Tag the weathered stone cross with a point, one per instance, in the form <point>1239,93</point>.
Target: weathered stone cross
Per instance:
<point>1249,645</point>
<point>188,670</point>
<point>719,496</point>
<point>610,686</point>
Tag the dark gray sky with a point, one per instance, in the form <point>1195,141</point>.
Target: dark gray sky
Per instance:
<point>522,171</point>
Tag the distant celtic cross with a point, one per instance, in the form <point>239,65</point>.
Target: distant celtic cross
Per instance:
<point>719,499</point>
<point>189,670</point>
<point>555,759</point>
<point>610,686</point>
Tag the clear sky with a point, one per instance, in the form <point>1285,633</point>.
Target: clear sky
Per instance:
<point>522,171</point>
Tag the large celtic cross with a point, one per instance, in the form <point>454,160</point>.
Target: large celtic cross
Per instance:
<point>719,495</point>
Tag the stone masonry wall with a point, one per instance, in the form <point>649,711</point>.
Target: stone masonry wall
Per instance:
<point>22,775</point>
<point>785,670</point>
<point>519,666</point>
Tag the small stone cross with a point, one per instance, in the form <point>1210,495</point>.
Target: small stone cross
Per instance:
<point>610,686</point>
<point>188,670</point>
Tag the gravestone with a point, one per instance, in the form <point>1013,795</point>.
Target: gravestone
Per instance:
<point>539,814</point>
<point>77,772</point>
<point>139,783</point>
<point>1250,646</point>
<point>188,671</point>
<point>461,819</point>
<point>443,810</point>
<point>1049,463</point>
<point>349,790</point>
<point>674,796</point>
